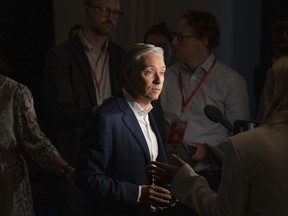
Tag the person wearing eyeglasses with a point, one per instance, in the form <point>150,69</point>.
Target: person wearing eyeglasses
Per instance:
<point>160,35</point>
<point>199,79</point>
<point>79,75</point>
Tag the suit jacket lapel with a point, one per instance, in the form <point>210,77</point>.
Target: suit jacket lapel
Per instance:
<point>132,124</point>
<point>83,63</point>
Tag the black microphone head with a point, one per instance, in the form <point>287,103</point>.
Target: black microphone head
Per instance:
<point>213,113</point>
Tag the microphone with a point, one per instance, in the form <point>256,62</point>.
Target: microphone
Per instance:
<point>215,115</point>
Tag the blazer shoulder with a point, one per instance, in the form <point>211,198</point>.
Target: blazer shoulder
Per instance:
<point>113,104</point>
<point>116,48</point>
<point>66,47</point>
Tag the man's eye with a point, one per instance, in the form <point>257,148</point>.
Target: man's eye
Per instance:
<point>149,72</point>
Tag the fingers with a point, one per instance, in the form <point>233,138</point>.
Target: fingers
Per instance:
<point>178,160</point>
<point>198,156</point>
<point>159,174</point>
<point>161,165</point>
<point>201,151</point>
<point>153,192</point>
<point>155,195</point>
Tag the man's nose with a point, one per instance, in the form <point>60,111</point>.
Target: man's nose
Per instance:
<point>157,78</point>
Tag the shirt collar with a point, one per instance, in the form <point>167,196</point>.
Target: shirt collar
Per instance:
<point>135,106</point>
<point>208,62</point>
<point>204,66</point>
<point>88,47</point>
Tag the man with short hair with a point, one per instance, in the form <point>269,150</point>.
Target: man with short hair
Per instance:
<point>122,139</point>
<point>199,79</point>
<point>79,75</point>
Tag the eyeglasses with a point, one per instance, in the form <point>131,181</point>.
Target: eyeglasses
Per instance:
<point>181,37</point>
<point>106,12</point>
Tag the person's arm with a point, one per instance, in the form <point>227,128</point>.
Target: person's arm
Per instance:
<point>234,191</point>
<point>193,190</point>
<point>210,152</point>
<point>62,168</point>
<point>33,139</point>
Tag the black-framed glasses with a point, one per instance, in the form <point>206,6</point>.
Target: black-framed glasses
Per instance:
<point>181,37</point>
<point>106,12</point>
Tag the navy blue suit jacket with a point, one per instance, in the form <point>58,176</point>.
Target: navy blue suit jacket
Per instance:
<point>113,160</point>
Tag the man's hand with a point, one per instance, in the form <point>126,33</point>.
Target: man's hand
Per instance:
<point>155,196</point>
<point>201,151</point>
<point>164,172</point>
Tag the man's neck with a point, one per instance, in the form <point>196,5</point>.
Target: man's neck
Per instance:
<point>136,98</point>
<point>97,41</point>
<point>194,62</point>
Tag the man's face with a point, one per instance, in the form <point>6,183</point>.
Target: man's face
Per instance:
<point>97,19</point>
<point>188,46</point>
<point>146,84</point>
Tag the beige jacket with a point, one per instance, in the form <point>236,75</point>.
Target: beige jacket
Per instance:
<point>254,178</point>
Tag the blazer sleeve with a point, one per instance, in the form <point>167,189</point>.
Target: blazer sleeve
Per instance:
<point>232,198</point>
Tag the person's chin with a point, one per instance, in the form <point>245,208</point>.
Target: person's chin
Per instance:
<point>155,97</point>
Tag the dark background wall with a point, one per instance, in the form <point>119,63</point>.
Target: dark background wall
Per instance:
<point>30,27</point>
<point>27,31</point>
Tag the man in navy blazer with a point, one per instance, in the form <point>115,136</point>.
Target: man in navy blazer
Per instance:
<point>122,139</point>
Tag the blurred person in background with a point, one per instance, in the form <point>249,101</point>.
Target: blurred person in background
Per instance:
<point>160,35</point>
<point>79,75</point>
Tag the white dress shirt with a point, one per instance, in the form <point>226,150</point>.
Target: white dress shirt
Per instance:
<point>143,120</point>
<point>223,88</point>
<point>99,61</point>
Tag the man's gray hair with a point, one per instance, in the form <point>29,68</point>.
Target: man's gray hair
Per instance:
<point>133,55</point>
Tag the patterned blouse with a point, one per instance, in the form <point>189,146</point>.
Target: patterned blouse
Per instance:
<point>19,131</point>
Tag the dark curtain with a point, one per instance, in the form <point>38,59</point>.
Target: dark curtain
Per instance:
<point>27,32</point>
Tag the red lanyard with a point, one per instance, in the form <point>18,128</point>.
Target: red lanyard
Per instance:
<point>186,102</point>
<point>97,83</point>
